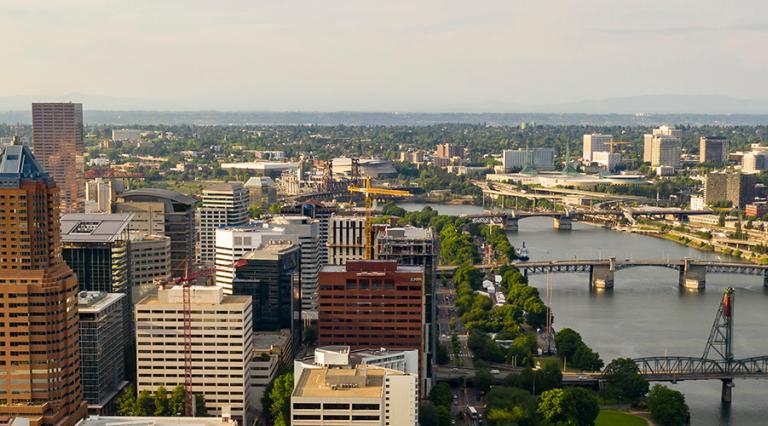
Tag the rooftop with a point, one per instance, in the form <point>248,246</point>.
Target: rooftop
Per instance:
<point>359,382</point>
<point>223,187</point>
<point>95,301</point>
<point>158,193</point>
<point>94,227</point>
<point>270,251</point>
<point>17,162</point>
<point>199,295</point>
<point>156,421</point>
<point>407,233</point>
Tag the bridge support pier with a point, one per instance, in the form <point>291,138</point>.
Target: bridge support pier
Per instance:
<point>601,276</point>
<point>726,395</point>
<point>562,223</point>
<point>693,277</point>
<point>511,225</point>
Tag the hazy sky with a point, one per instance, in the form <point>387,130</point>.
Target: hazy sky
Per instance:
<point>384,54</point>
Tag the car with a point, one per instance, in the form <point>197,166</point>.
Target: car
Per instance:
<point>494,371</point>
<point>454,369</point>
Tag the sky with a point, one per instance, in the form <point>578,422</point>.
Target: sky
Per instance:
<point>393,55</point>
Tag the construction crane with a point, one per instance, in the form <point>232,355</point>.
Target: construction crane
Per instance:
<point>185,282</point>
<point>369,193</point>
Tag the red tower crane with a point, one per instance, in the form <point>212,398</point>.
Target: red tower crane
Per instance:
<point>185,282</point>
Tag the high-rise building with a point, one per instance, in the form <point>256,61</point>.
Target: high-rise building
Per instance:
<point>150,263</point>
<point>713,150</point>
<point>754,162</point>
<point>41,374</point>
<point>662,147</point>
<point>308,232</point>
<point>346,238</point>
<point>314,210</point>
<point>595,142</point>
<point>270,276</point>
<point>416,247</point>
<point>222,341</point>
<point>448,150</point>
<point>224,204</point>
<point>174,210</point>
<point>95,246</point>
<point>102,349</point>
<point>99,194</point>
<point>373,304</point>
<point>57,140</point>
<point>737,188</point>
<point>334,390</point>
<point>607,159</point>
<point>539,158</point>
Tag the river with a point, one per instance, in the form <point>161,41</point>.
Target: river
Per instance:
<point>647,314</point>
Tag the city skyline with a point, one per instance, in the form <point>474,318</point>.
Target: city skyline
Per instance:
<point>396,56</point>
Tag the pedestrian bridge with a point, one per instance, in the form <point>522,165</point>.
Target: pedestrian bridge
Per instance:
<point>692,272</point>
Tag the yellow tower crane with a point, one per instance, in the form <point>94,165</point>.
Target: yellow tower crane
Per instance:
<point>370,192</point>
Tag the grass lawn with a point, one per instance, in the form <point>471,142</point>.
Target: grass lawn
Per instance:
<point>618,418</point>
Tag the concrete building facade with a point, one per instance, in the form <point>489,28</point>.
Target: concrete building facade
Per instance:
<point>224,204</point>
<point>737,188</point>
<point>222,344</point>
<point>57,140</point>
<point>713,150</point>
<point>595,142</point>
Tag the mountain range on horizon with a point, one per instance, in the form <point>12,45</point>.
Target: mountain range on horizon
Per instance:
<point>647,104</point>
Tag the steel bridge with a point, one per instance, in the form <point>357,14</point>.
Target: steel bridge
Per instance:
<point>717,363</point>
<point>692,271</point>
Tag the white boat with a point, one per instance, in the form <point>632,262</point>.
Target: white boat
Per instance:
<point>522,253</point>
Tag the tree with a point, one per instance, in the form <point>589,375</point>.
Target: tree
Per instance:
<point>177,401</point>
<point>586,359</point>
<point>201,409</point>
<point>280,399</point>
<point>623,381</point>
<point>145,405</point>
<point>566,342</point>
<point>443,415</point>
<point>428,415</point>
<point>552,407</point>
<point>571,406</point>
<point>483,380</point>
<point>584,403</point>
<point>162,403</point>
<point>667,406</point>
<point>441,395</point>
<point>126,403</point>
<point>510,406</point>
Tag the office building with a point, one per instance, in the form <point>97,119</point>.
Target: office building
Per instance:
<point>99,195</point>
<point>413,246</point>
<point>126,135</point>
<point>754,162</point>
<point>333,390</point>
<point>736,188</point>
<point>346,238</point>
<point>416,157</point>
<point>697,203</point>
<point>373,304</point>
<point>308,233</point>
<point>517,159</point>
<point>607,160</point>
<point>175,211</point>
<point>57,141</point>
<point>150,263</point>
<point>102,349</point>
<point>222,339</point>
<point>448,150</point>
<point>272,352</point>
<point>95,246</point>
<point>314,210</point>
<point>270,276</point>
<point>41,374</point>
<point>262,191</point>
<point>595,142</point>
<point>713,150</point>
<point>652,144</point>
<point>224,204</point>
